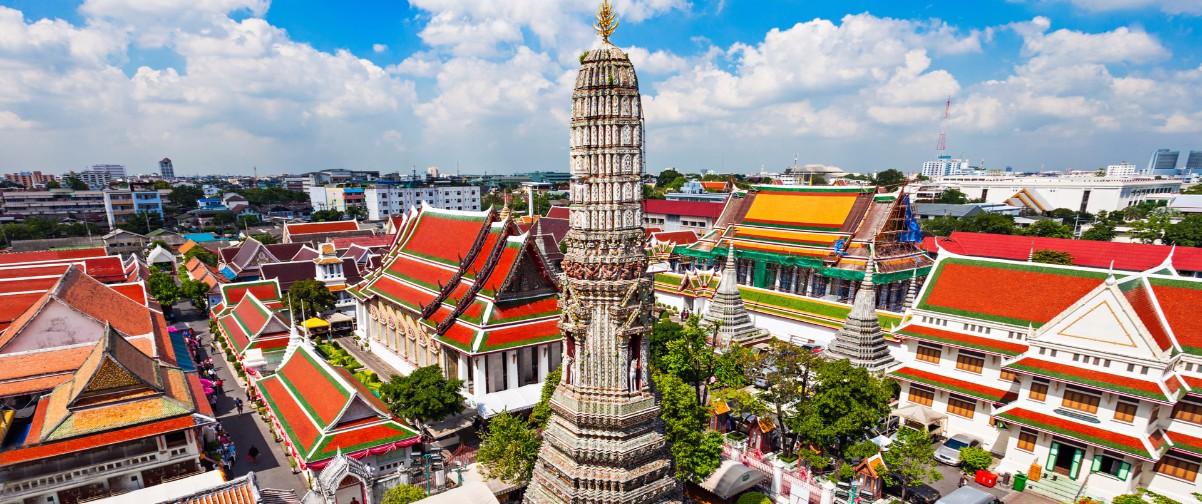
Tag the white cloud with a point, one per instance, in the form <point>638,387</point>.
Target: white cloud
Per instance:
<point>1192,7</point>
<point>379,48</point>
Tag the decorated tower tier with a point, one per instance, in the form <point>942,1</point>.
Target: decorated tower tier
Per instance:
<point>604,441</point>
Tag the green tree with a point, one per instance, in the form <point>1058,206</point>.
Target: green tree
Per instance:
<point>265,238</point>
<point>1052,257</point>
<point>1099,231</point>
<point>184,197</point>
<point>403,494</point>
<point>694,360</point>
<point>356,212</point>
<point>786,373</point>
<point>203,254</point>
<point>1187,232</point>
<point>143,222</point>
<point>974,458</point>
<point>508,448</point>
<point>952,196</point>
<point>53,184</point>
<point>310,297</point>
<point>667,177</point>
<point>940,226</point>
<point>1152,227</point>
<point>890,179</point>
<point>1049,228</point>
<point>74,184</point>
<point>664,330</point>
<point>987,222</point>
<point>754,498</point>
<point>847,401</point>
<point>910,460</point>
<point>542,409</point>
<point>162,288</point>
<point>818,180</point>
<point>696,450</point>
<point>196,292</point>
<point>425,395</point>
<point>272,196</point>
<point>326,215</point>
<point>1193,189</point>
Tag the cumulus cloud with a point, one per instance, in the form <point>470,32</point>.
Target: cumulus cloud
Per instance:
<point>1190,7</point>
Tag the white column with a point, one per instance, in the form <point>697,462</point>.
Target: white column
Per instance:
<point>480,379</point>
<point>463,366</point>
<point>543,354</point>
<point>777,474</point>
<point>511,369</point>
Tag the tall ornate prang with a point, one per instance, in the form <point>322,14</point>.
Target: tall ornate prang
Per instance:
<point>604,441</point>
<point>861,339</point>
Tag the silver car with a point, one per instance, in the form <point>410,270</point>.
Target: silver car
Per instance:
<point>949,452</point>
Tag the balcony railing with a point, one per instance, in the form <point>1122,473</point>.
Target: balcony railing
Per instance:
<point>51,476</point>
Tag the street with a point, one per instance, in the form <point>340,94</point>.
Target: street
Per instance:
<point>271,469</point>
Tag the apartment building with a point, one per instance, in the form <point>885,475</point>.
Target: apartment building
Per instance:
<point>121,205</point>
<point>58,204</point>
<point>379,202</point>
<point>30,180</point>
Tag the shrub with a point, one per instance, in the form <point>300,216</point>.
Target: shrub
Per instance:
<point>973,458</point>
<point>403,494</point>
<point>753,498</point>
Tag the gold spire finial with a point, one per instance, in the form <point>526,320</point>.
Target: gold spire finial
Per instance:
<point>607,21</point>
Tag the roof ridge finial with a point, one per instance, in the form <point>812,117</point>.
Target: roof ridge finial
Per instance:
<point>607,21</point>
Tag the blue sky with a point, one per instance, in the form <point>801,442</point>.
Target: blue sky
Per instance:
<point>222,86</point>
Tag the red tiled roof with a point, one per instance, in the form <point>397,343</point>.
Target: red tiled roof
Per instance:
<point>521,334</point>
<point>959,339</point>
<point>51,255</point>
<point>322,227</point>
<point>41,284</point>
<point>994,395</point>
<point>1179,301</point>
<point>308,381</point>
<point>444,237</point>
<point>1018,293</point>
<point>559,212</point>
<point>684,208</point>
<point>1101,380</point>
<point>264,290</point>
<point>1145,308</point>
<point>1098,254</point>
<point>134,291</point>
<point>363,241</point>
<point>105,269</point>
<point>88,442</point>
<point>237,491</point>
<point>1081,432</point>
<point>679,237</point>
<point>104,303</point>
<point>509,312</point>
<point>1186,442</point>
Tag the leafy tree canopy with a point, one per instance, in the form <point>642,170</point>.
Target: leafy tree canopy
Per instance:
<point>952,196</point>
<point>542,409</point>
<point>424,395</point>
<point>847,401</point>
<point>696,450</point>
<point>890,179</point>
<point>509,448</point>
<point>973,458</point>
<point>403,494</point>
<point>162,287</point>
<point>203,254</point>
<point>1052,257</point>
<point>1049,228</point>
<point>184,196</point>
<point>1187,232</point>
<point>310,297</point>
<point>1100,231</point>
<point>74,184</point>
<point>326,215</point>
<point>910,460</point>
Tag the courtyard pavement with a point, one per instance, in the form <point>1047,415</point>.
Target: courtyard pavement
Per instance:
<point>246,429</point>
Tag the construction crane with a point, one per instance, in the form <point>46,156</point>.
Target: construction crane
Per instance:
<point>941,145</point>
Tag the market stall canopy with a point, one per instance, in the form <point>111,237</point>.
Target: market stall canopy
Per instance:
<point>315,323</point>
<point>732,478</point>
<point>921,415</point>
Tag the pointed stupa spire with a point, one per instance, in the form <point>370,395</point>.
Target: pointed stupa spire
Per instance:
<point>505,210</point>
<point>726,311</point>
<point>912,289</point>
<point>861,339</point>
<point>607,21</point>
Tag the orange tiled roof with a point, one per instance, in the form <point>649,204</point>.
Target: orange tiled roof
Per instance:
<point>1018,294</point>
<point>51,255</point>
<point>321,227</point>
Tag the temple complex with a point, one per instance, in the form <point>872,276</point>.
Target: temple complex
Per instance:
<point>813,241</point>
<point>604,441</point>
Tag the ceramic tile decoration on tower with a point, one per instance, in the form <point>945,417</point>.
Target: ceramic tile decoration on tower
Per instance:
<point>604,441</point>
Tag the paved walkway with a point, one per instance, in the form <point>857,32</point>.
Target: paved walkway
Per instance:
<point>246,429</point>
<point>374,363</point>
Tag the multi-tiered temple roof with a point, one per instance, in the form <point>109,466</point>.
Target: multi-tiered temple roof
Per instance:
<point>470,278</point>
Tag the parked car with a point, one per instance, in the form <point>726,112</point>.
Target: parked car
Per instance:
<point>949,452</point>
<point>968,495</point>
<point>915,494</point>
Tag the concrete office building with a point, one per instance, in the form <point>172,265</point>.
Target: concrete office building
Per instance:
<point>1090,194</point>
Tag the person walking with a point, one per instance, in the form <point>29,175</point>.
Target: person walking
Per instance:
<point>238,404</point>
<point>253,453</point>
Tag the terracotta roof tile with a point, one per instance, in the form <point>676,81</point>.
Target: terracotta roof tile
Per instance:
<point>51,255</point>
<point>1126,256</point>
<point>942,381</point>
<point>962,340</point>
<point>321,227</point>
<point>1018,294</point>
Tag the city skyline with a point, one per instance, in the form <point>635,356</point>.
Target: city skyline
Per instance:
<point>294,86</point>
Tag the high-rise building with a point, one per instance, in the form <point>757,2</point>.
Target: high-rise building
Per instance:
<point>114,171</point>
<point>1163,162</point>
<point>945,166</point>
<point>604,441</point>
<point>165,168</point>
<point>1193,162</point>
